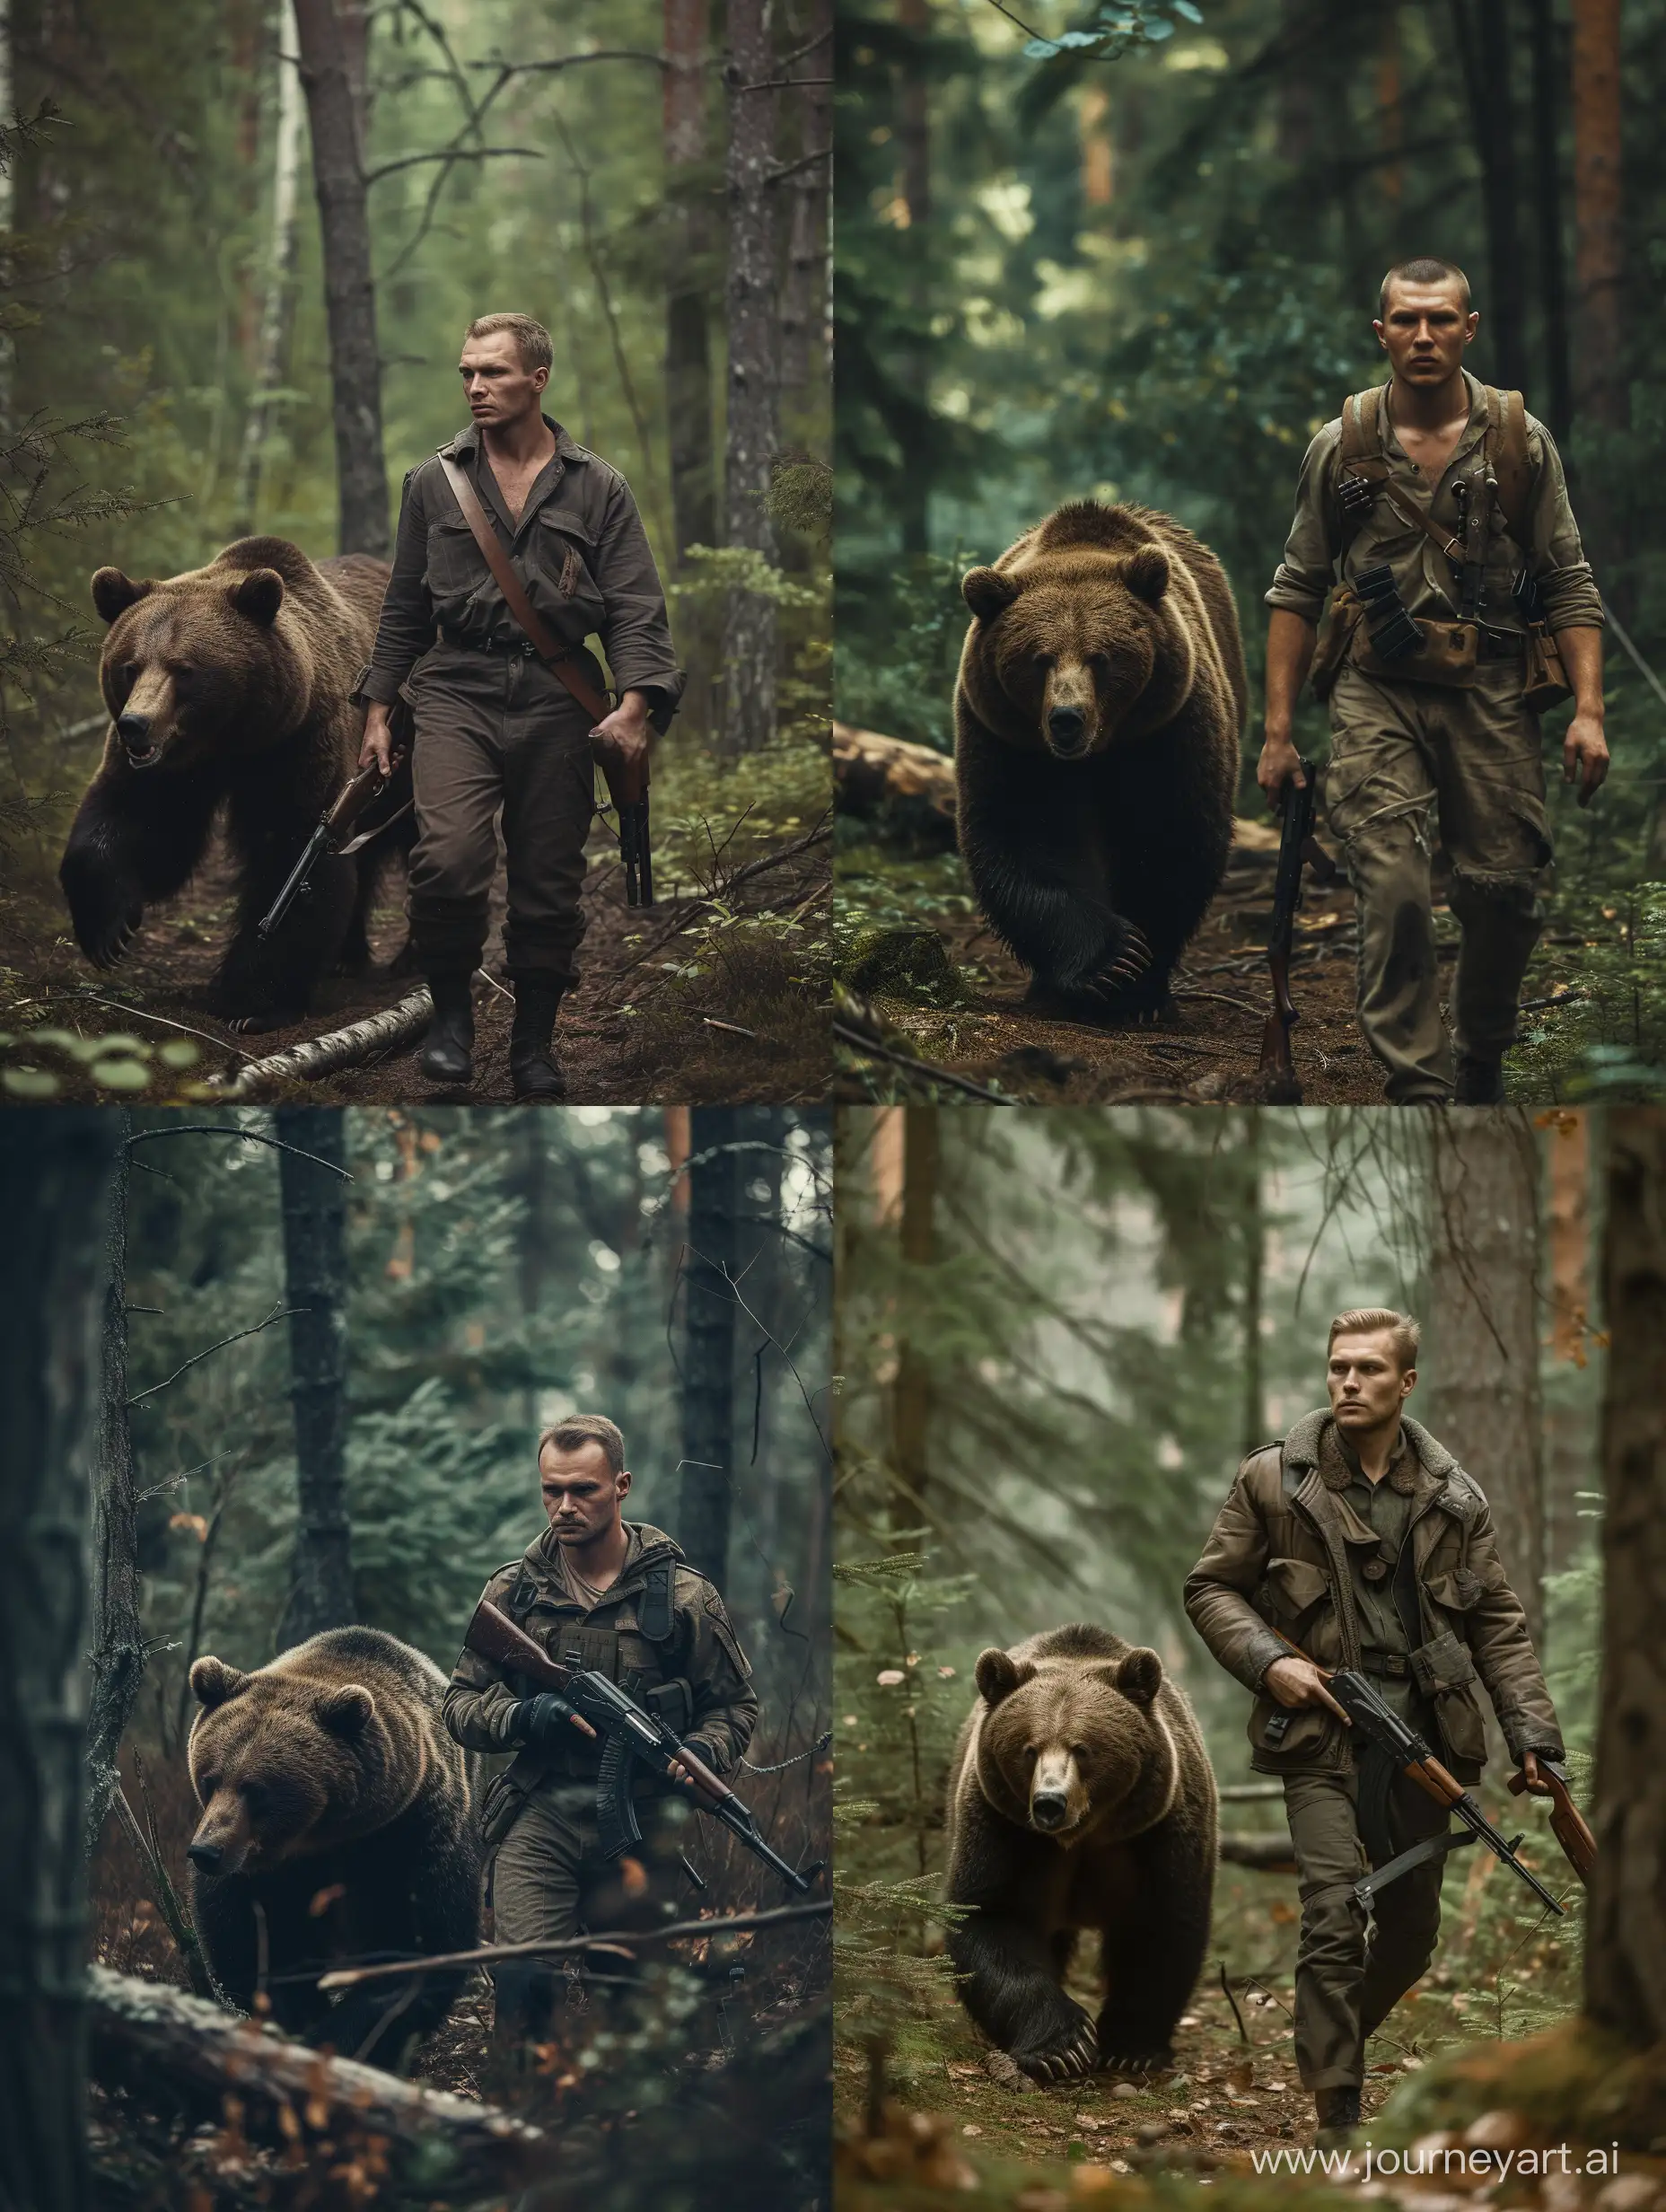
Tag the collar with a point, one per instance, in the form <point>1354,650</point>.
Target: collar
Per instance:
<point>1400,1474</point>
<point>644,1546</point>
<point>1471,434</point>
<point>466,447</point>
<point>1302,1450</point>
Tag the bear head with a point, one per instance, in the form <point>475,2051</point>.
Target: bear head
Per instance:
<point>1068,1747</point>
<point>209,664</point>
<point>283,1763</point>
<point>1075,647</point>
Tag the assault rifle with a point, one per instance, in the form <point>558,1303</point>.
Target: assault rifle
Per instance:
<point>635,850</point>
<point>331,836</point>
<point>596,1706</point>
<point>1352,1698</point>
<point>1279,1083</point>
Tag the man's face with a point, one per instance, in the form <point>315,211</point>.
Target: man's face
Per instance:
<point>499,387</point>
<point>1367,1384</point>
<point>1424,329</point>
<point>582,1493</point>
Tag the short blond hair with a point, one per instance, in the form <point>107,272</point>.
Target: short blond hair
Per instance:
<point>1370,1321</point>
<point>533,343</point>
<point>581,1428</point>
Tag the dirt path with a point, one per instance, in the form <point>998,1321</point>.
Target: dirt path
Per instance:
<point>636,1029</point>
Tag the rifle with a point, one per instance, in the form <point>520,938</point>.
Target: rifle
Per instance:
<point>1352,1696</point>
<point>598,1707</point>
<point>1279,1083</point>
<point>331,836</point>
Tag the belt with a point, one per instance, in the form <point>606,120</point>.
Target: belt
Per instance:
<point>516,644</point>
<point>1393,1663</point>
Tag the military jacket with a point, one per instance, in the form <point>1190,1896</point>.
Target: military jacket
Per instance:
<point>1278,1558</point>
<point>1323,551</point>
<point>683,1657</point>
<point>579,548</point>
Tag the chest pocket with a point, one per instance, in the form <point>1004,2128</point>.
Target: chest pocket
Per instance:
<point>561,556</point>
<point>455,562</point>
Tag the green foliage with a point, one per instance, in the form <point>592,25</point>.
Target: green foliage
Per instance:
<point>41,1064</point>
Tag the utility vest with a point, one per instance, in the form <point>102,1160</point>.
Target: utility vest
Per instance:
<point>1366,626</point>
<point>634,1645</point>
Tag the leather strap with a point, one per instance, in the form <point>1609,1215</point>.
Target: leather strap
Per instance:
<point>548,648</point>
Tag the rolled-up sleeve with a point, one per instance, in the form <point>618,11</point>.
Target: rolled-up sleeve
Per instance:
<point>1566,585</point>
<point>405,629</point>
<point>636,629</point>
<point>1304,576</point>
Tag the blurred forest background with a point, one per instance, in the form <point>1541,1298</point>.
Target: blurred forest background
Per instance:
<point>190,188</point>
<point>1145,269</point>
<point>308,1385</point>
<point>1061,1332</point>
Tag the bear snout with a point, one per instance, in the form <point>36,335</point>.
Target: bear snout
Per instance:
<point>207,1855</point>
<point>1066,731</point>
<point>136,741</point>
<point>1070,711</point>
<point>1049,1809</point>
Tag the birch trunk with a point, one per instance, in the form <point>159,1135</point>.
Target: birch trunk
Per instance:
<point>750,626</point>
<point>271,347</point>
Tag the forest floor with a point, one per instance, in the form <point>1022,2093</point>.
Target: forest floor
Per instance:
<point>1234,2092</point>
<point>700,998</point>
<point>969,1015</point>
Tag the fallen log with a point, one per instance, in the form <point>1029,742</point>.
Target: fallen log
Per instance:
<point>337,1049</point>
<point>157,2041</point>
<point>911,785</point>
<point>1270,1855</point>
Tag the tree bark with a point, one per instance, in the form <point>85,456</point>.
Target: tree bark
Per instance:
<point>116,1652</point>
<point>1483,46</point>
<point>689,236</point>
<point>271,347</point>
<point>750,626</point>
<point>708,1342</point>
<point>1548,76</point>
<point>57,1167</point>
<point>911,1397</point>
<point>1567,1445</point>
<point>315,1275</point>
<point>1254,1287</point>
<point>1483,1340</point>
<point>1625,1922</point>
<point>1599,232</point>
<point>806,314</point>
<point>913,112</point>
<point>332,37</point>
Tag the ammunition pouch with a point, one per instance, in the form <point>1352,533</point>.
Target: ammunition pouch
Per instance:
<point>1342,618</point>
<point>671,1703</point>
<point>1446,1673</point>
<point>501,1806</point>
<point>1545,679</point>
<point>1441,1664</point>
<point>1446,656</point>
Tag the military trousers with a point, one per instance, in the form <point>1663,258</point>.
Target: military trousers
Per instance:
<point>552,1880</point>
<point>496,732</point>
<point>1399,750</point>
<point>1347,1982</point>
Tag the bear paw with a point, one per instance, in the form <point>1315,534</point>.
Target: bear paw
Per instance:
<point>1135,2063</point>
<point>258,1024</point>
<point>1066,2052</point>
<point>106,927</point>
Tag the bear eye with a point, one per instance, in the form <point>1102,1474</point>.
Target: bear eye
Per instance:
<point>1078,1751</point>
<point>210,1783</point>
<point>1030,1753</point>
<point>255,1797</point>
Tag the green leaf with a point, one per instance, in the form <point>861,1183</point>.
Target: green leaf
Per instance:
<point>1192,13</point>
<point>1040,49</point>
<point>1158,29</point>
<point>28,1082</point>
<point>178,1052</point>
<point>120,1075</point>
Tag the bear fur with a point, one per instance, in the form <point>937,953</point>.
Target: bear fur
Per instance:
<point>1080,1796</point>
<point>228,688</point>
<point>334,1799</point>
<point>1098,714</point>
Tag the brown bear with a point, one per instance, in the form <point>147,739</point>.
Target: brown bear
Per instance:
<point>1097,715</point>
<point>228,688</point>
<point>334,1800</point>
<point>1080,1796</point>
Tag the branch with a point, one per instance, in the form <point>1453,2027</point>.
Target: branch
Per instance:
<point>805,161</point>
<point>571,61</point>
<point>278,1313</point>
<point>870,1047</point>
<point>250,1136</point>
<point>449,154</point>
<point>350,1977</point>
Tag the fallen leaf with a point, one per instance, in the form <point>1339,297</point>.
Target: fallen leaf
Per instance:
<point>1242,2074</point>
<point>322,1899</point>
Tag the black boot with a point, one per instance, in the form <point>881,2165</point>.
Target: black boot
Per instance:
<point>1337,2111</point>
<point>451,1033</point>
<point>1477,1081</point>
<point>533,1063</point>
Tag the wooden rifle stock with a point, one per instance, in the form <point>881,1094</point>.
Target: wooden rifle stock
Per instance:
<point>1566,1823</point>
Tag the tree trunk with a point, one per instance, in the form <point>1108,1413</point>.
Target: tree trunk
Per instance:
<point>911,1400</point>
<point>688,238</point>
<point>708,1343</point>
<point>315,1278</point>
<point>750,626</point>
<point>1483,1340</point>
<point>1567,1444</point>
<point>1599,232</point>
<point>1391,109</point>
<point>913,146</point>
<point>272,347</point>
<point>57,1167</point>
<point>1255,1286</point>
<point>1625,1922</point>
<point>332,40</point>
<point>1484,46</point>
<point>116,1650</point>
<point>806,314</point>
<point>1548,76</point>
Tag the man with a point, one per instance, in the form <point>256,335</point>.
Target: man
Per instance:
<point>495,726</point>
<point>1461,495</point>
<point>621,1595</point>
<point>1361,1539</point>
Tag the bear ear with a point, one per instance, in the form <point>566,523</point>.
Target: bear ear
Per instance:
<point>989,591</point>
<point>346,1711</point>
<point>1139,1676</point>
<point>213,1682</point>
<point>1146,575</point>
<point>113,593</point>
<point>998,1674</point>
<point>260,595</point>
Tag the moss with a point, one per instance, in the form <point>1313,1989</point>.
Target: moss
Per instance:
<point>912,964</point>
<point>1579,2084</point>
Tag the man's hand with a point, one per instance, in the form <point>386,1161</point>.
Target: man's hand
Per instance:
<point>1294,1682</point>
<point>1280,764</point>
<point>1585,755</point>
<point>540,1723</point>
<point>625,732</point>
<point>1537,1785</point>
<point>378,746</point>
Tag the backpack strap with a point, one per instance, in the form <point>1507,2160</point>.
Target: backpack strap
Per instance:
<point>519,1603</point>
<point>655,1616</point>
<point>1507,457</point>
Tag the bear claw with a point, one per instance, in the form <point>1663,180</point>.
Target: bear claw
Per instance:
<point>1070,2061</point>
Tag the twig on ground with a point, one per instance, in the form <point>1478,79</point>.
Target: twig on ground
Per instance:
<point>870,1048</point>
<point>139,1014</point>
